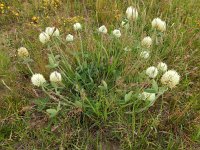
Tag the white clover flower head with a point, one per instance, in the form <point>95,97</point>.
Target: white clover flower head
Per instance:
<point>69,38</point>
<point>77,26</point>
<point>132,13</point>
<point>117,33</point>
<point>152,72</point>
<point>55,77</point>
<point>144,54</point>
<point>103,29</point>
<point>22,52</point>
<point>38,79</point>
<point>158,24</point>
<point>147,96</point>
<point>44,37</point>
<point>147,42</point>
<point>170,78</point>
<point>125,24</point>
<point>162,67</point>
<point>52,31</point>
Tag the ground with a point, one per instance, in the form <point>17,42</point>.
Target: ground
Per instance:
<point>172,123</point>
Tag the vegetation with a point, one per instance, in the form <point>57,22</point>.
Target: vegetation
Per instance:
<point>96,99</point>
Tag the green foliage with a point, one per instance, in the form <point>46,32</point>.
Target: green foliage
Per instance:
<point>99,111</point>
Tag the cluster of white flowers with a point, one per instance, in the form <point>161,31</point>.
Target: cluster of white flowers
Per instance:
<point>55,77</point>
<point>117,33</point>
<point>152,72</point>
<point>69,38</point>
<point>49,31</point>
<point>132,13</point>
<point>170,78</point>
<point>159,24</point>
<point>22,52</point>
<point>77,26</point>
<point>147,42</point>
<point>144,54</point>
<point>103,29</point>
<point>39,80</point>
<point>52,31</point>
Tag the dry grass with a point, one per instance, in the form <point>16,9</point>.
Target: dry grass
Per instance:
<point>22,126</point>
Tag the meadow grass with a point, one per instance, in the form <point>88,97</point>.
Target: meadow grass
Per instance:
<point>171,123</point>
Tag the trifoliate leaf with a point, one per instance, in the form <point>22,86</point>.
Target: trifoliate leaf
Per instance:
<point>128,96</point>
<point>52,112</point>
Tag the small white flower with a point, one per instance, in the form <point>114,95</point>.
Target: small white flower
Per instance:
<point>125,25</point>
<point>147,42</point>
<point>52,31</point>
<point>69,38</point>
<point>103,29</point>
<point>152,72</point>
<point>162,66</point>
<point>117,33</point>
<point>22,52</point>
<point>144,54</point>
<point>170,78</point>
<point>148,96</point>
<point>158,24</point>
<point>44,37</point>
<point>132,13</point>
<point>77,26</point>
<point>55,77</point>
<point>38,79</point>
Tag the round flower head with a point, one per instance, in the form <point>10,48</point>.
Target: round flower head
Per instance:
<point>22,52</point>
<point>158,24</point>
<point>77,26</point>
<point>147,42</point>
<point>55,77</point>
<point>117,33</point>
<point>38,79</point>
<point>44,37</point>
<point>125,25</point>
<point>103,29</point>
<point>132,13</point>
<point>152,72</point>
<point>144,54</point>
<point>69,38</point>
<point>162,66</point>
<point>52,31</point>
<point>170,78</point>
<point>147,96</point>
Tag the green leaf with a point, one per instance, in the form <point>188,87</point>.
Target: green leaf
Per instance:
<point>155,85</point>
<point>41,103</point>
<point>104,87</point>
<point>128,96</point>
<point>104,84</point>
<point>58,107</point>
<point>78,104</point>
<point>52,112</point>
<point>162,90</point>
<point>150,90</point>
